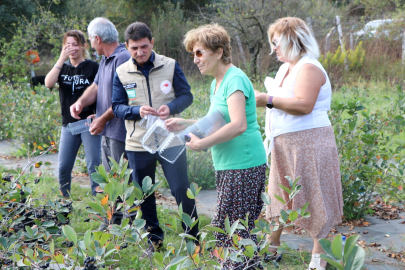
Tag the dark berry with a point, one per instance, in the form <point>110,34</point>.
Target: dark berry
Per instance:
<point>7,178</point>
<point>36,181</point>
<point>279,257</point>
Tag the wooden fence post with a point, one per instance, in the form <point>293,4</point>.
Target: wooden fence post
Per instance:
<point>327,40</point>
<point>351,41</point>
<point>403,48</point>
<point>339,27</point>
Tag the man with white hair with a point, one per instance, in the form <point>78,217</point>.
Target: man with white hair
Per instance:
<point>104,39</point>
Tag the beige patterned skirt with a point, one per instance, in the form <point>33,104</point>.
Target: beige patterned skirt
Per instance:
<point>312,155</point>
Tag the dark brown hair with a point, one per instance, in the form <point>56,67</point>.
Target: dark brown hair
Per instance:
<point>79,37</point>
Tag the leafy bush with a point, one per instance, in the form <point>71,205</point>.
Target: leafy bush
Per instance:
<point>340,64</point>
<point>43,31</point>
<point>371,147</point>
<point>29,116</point>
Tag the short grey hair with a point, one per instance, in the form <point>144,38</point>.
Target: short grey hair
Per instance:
<point>104,29</point>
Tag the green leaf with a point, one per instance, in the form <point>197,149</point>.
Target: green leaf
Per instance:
<point>70,233</point>
<point>233,227</point>
<point>188,236</point>
<point>400,142</point>
<point>279,198</point>
<point>190,194</point>
<point>283,216</point>
<point>304,208</point>
<point>128,192</point>
<point>101,170</point>
<point>214,229</point>
<point>187,219</point>
<point>96,207</point>
<point>29,231</point>
<point>332,262</point>
<point>337,247</point>
<point>293,216</point>
<point>355,259</point>
<point>266,198</point>
<point>87,238</point>
<point>139,223</point>
<point>146,184</point>
<point>249,251</point>
<point>349,245</point>
<point>109,189</point>
<point>98,178</point>
<point>48,223</point>
<point>227,225</point>
<point>177,260</point>
<point>52,247</point>
<point>131,199</point>
<point>327,247</point>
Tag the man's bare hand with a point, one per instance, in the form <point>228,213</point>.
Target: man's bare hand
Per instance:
<point>146,110</point>
<point>163,111</point>
<point>75,110</point>
<point>97,126</point>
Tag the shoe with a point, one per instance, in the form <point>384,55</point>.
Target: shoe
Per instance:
<point>315,263</point>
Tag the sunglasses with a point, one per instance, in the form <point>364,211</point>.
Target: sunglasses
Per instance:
<point>198,53</point>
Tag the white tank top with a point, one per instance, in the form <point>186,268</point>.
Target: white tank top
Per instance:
<point>279,122</point>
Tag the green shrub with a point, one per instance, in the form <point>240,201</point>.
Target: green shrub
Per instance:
<point>43,32</point>
<point>370,145</point>
<point>29,116</point>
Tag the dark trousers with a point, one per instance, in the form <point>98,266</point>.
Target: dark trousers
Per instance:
<point>144,164</point>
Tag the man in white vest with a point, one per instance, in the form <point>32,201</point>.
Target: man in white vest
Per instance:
<point>151,84</point>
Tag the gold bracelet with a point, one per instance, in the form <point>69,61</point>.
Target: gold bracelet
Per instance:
<point>57,67</point>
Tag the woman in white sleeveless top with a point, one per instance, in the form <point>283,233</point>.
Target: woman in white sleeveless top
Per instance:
<point>299,134</point>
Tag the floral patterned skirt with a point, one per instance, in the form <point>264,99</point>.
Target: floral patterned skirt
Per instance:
<point>239,193</point>
<point>312,155</point>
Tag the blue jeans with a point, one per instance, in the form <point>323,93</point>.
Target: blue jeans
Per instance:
<point>68,148</point>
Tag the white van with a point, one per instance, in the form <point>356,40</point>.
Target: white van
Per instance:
<point>370,29</point>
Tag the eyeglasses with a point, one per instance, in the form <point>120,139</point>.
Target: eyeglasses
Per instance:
<point>198,53</point>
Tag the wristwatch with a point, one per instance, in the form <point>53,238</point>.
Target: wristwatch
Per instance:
<point>270,103</point>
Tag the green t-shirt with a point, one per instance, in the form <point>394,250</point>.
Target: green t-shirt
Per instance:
<point>246,150</point>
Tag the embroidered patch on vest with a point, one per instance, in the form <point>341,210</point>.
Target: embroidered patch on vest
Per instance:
<point>129,86</point>
<point>166,87</point>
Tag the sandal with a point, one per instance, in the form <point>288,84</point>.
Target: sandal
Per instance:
<point>315,263</point>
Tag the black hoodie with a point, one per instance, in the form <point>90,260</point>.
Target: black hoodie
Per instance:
<point>72,83</point>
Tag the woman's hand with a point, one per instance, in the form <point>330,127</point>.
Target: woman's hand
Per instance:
<point>176,124</point>
<point>261,99</point>
<point>65,53</point>
<point>195,143</point>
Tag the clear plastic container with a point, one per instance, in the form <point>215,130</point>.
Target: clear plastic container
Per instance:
<point>207,125</point>
<point>171,145</point>
<point>155,136</point>
<point>172,148</point>
<point>80,126</point>
<point>148,121</point>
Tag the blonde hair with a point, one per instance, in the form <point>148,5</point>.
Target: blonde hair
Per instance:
<point>296,38</point>
<point>212,36</point>
<point>80,39</point>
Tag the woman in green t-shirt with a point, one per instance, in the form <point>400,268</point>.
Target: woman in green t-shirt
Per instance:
<point>237,149</point>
